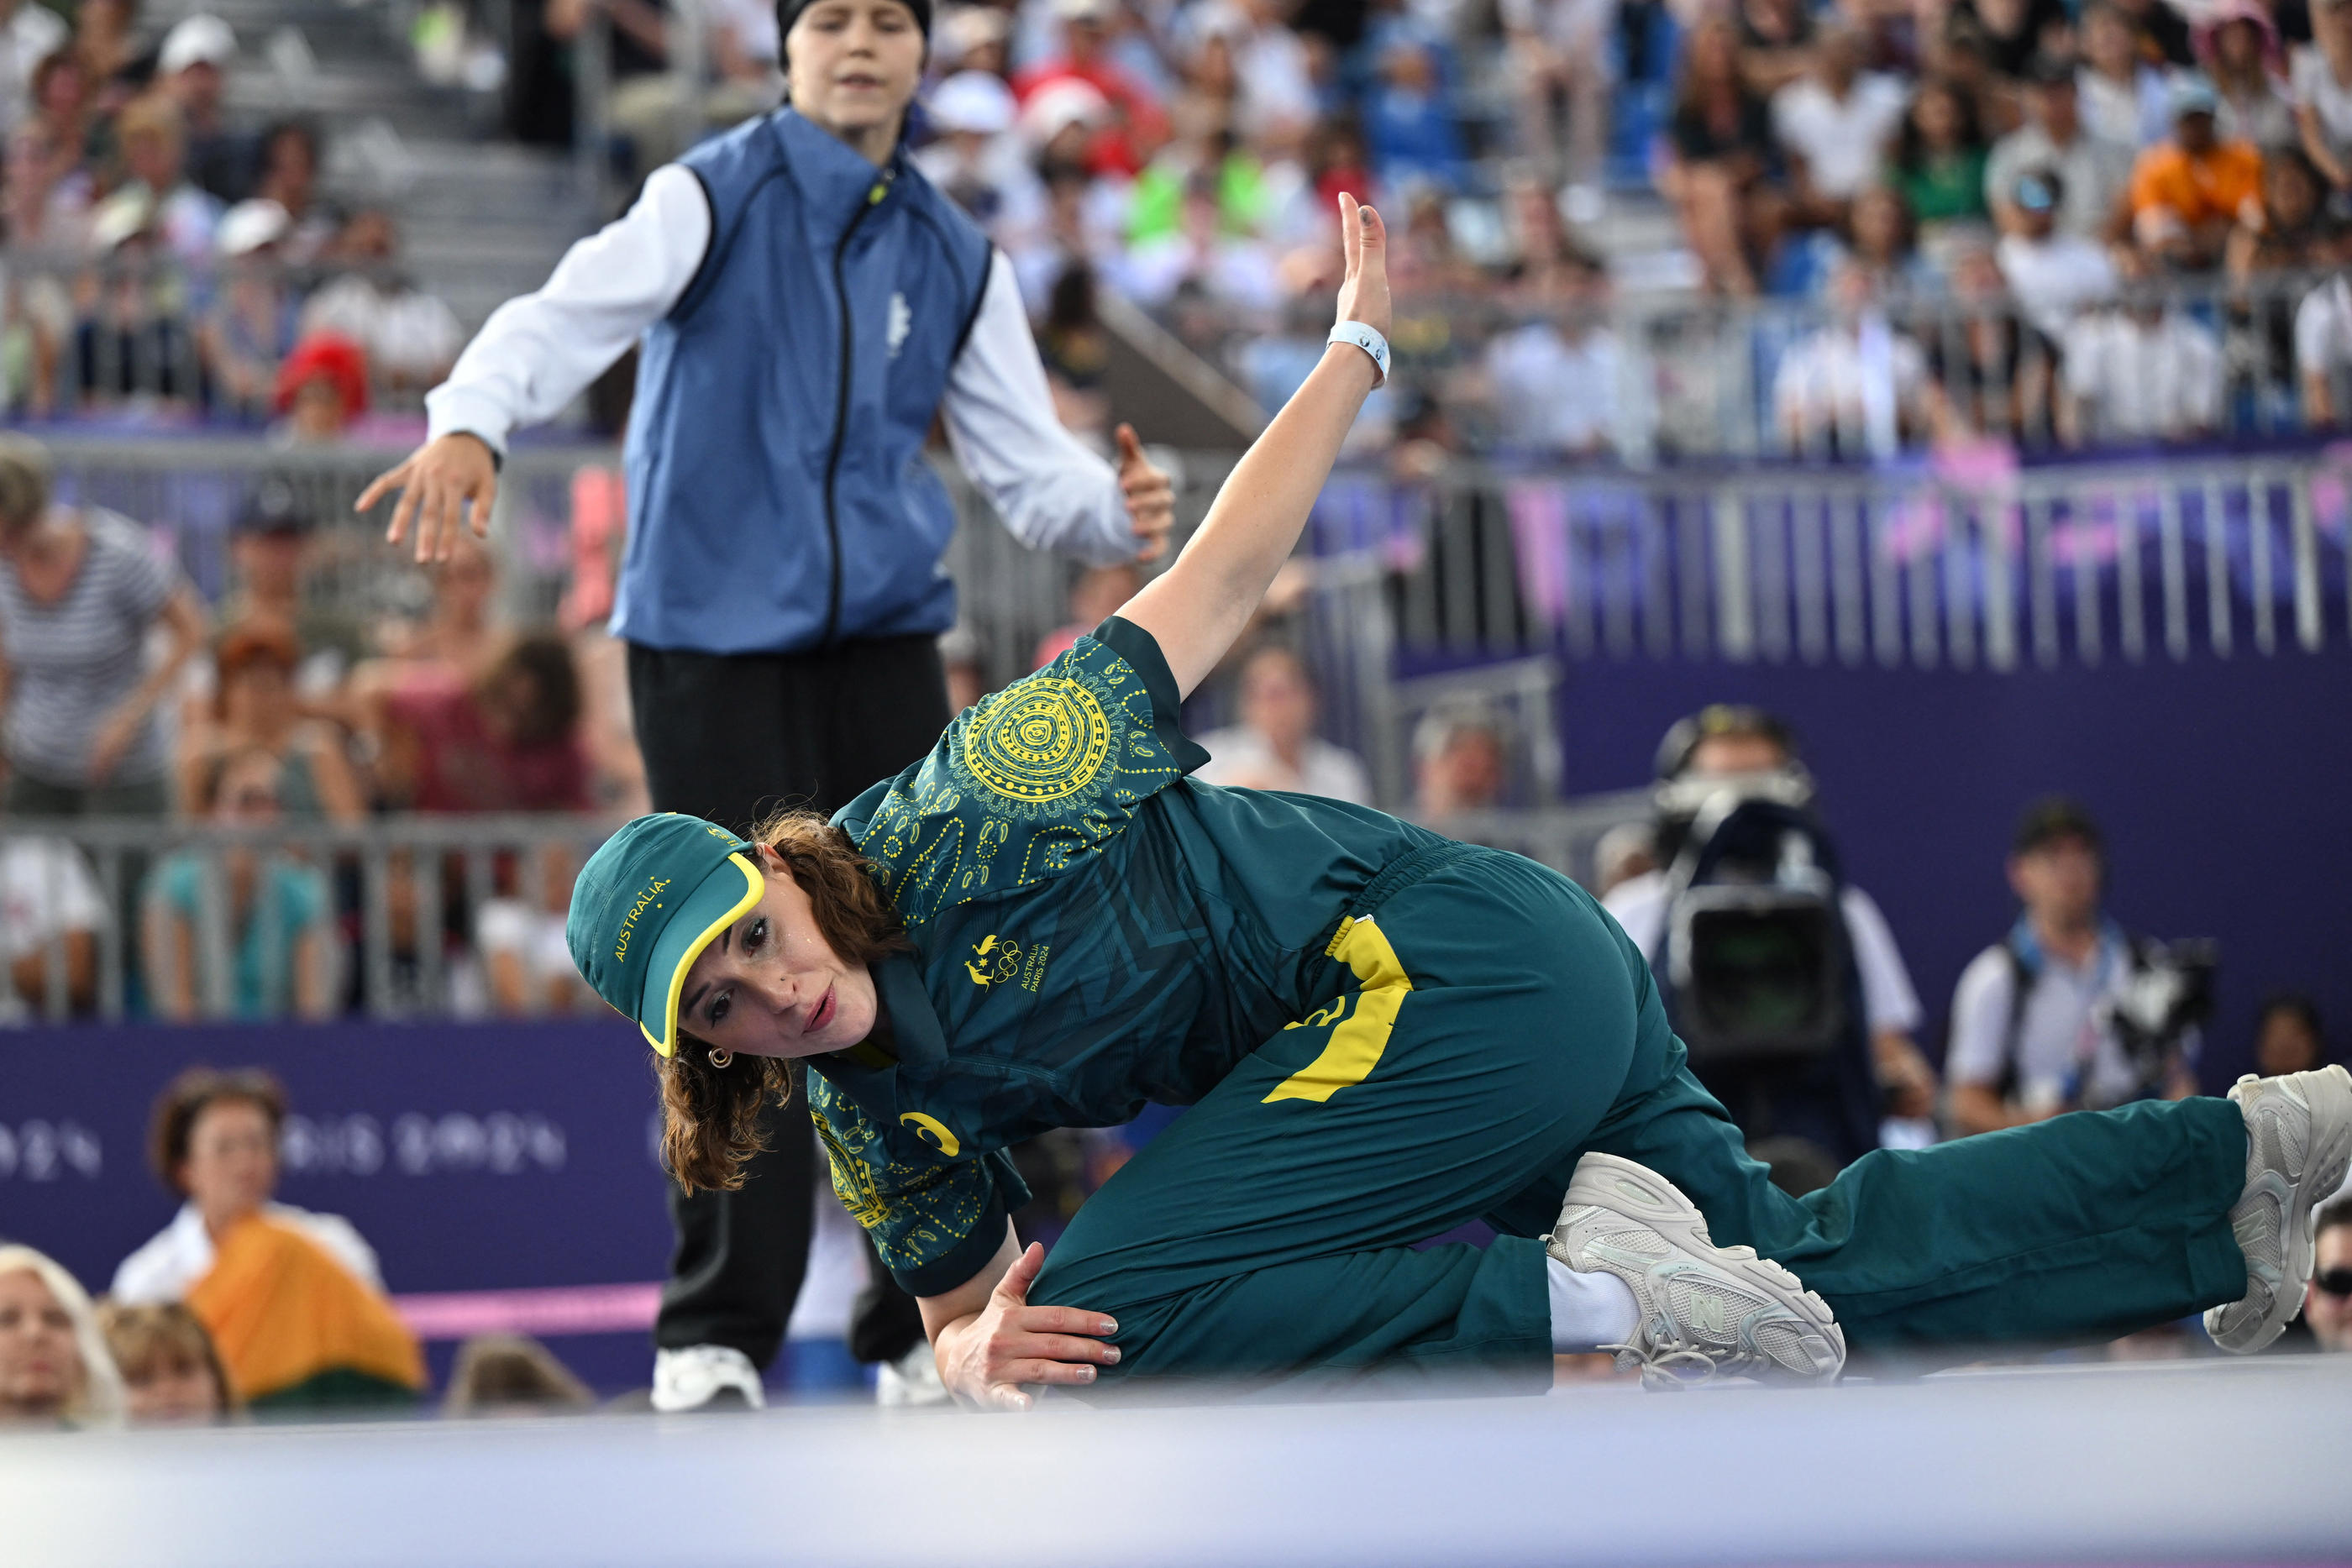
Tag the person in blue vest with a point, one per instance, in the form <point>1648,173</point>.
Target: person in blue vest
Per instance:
<point>806,304</point>
<point>1380,1034</point>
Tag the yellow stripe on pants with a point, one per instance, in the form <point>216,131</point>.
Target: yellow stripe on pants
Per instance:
<point>1355,1046</point>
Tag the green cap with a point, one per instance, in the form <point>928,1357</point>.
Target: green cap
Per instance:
<point>645,906</point>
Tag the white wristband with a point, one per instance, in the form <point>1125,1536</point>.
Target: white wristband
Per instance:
<point>1368,339</point>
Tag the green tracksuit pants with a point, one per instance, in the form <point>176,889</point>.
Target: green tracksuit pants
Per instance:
<point>1496,1026</point>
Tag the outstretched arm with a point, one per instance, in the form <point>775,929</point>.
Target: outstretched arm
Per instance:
<point>1201,603</point>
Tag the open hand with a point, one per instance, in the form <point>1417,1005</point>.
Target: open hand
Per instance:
<point>985,1359</point>
<point>1151,496</point>
<point>1364,286</point>
<point>434,484</point>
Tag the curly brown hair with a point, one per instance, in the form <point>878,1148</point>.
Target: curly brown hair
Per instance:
<point>710,1115</point>
<point>184,1099</point>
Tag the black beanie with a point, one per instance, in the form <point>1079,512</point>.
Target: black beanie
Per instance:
<point>789,12</point>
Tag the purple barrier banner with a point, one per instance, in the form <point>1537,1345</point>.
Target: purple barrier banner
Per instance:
<point>503,1172</point>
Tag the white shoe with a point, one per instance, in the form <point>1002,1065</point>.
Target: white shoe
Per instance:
<point>696,1377</point>
<point>912,1379</point>
<point>1706,1310</point>
<point>2298,1145</point>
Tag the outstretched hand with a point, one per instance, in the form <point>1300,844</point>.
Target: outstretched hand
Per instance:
<point>1364,286</point>
<point>985,1358</point>
<point>1151,496</point>
<point>436,483</point>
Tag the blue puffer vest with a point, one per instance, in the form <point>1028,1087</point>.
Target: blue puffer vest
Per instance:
<point>778,496</point>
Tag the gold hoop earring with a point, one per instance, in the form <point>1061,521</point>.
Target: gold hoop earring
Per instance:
<point>721,1060</point>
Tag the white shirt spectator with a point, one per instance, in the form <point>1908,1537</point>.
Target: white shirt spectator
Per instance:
<point>1888,999</point>
<point>47,892</point>
<point>1850,385</point>
<point>2062,1053</point>
<point>2095,172</point>
<point>2139,115</point>
<point>534,936</point>
<point>1842,141</point>
<point>2142,380</point>
<point>411,337</point>
<point>2053,278</point>
<point>2323,329</point>
<point>1556,395</point>
<point>1240,755</point>
<point>168,1267</point>
<point>2315,86</point>
<point>32,33</point>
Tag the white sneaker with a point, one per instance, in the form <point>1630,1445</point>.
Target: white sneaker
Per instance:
<point>2298,1145</point>
<point>912,1379</point>
<point>1706,1310</point>
<point>691,1378</point>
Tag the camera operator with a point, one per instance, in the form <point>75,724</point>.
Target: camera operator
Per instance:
<point>2040,1019</point>
<point>1730,786</point>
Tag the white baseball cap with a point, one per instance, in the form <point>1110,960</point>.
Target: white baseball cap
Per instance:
<point>199,40</point>
<point>248,226</point>
<point>1058,105</point>
<point>974,102</point>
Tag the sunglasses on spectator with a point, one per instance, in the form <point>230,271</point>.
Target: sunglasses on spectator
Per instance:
<point>2335,1282</point>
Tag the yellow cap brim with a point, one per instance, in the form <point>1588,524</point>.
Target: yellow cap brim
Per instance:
<point>708,910</point>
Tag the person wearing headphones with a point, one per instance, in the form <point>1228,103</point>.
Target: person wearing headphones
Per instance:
<point>806,303</point>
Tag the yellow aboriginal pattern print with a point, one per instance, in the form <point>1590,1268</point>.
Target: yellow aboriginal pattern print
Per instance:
<point>1022,787</point>
<point>916,1210</point>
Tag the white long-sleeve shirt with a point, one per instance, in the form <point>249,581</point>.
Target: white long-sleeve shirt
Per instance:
<point>539,351</point>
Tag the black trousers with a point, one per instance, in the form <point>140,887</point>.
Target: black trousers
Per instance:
<point>731,738</point>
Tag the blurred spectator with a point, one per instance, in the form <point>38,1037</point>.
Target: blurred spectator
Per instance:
<point>250,326</point>
<point>171,1373</point>
<point>2322,348</point>
<point>1207,94</point>
<point>971,38</point>
<point>1557,385</point>
<point>1989,375</point>
<point>1939,159</point>
<point>1834,124</point>
<point>153,134</point>
<point>192,70</point>
<point>1459,762</point>
<point>54,1368</point>
<point>2123,94</point>
<point>1776,39</point>
<point>29,33</point>
<point>520,939</point>
<point>509,1375</point>
<point>62,105</point>
<point>462,632</point>
<point>80,591</point>
<point>2161,31</point>
<point>290,176</point>
<point>49,192</point>
<point>2051,274</point>
<point>2140,370</point>
<point>271,926</point>
<point>1097,595</point>
<point>1275,747</point>
<point>106,39</point>
<point>410,338</point>
<point>2029,1037</point>
<point>1884,247</point>
<point>1412,128</point>
<point>506,741</point>
<point>1720,138</point>
<point>293,1300</point>
<point>1077,351</point>
<point>1853,387</point>
<point>1273,68</point>
<point>977,161</point>
<point>2239,47</point>
<point>2188,193</point>
<point>2321,79</point>
<point>1077,230</point>
<point>2287,1037</point>
<point>2295,233</point>
<point>1201,259</point>
<point>2093,173</point>
<point>1135,124</point>
<point>1425,259</point>
<point>48,900</point>
<point>322,388</point>
<point>2016,30</point>
<point>271,549</point>
<point>2328,1308</point>
<point>1556,56</point>
<point>257,707</point>
<point>1246,196</point>
<point>133,343</point>
<point>599,528</point>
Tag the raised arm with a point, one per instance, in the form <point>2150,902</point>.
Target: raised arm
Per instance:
<point>1197,608</point>
<point>539,351</point>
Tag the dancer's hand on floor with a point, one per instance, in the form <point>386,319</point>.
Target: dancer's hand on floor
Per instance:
<point>985,1358</point>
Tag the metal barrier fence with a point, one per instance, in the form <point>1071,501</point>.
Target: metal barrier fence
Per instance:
<point>409,917</point>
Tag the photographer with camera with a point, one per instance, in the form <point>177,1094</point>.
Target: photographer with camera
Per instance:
<point>2067,1013</point>
<point>1781,979</point>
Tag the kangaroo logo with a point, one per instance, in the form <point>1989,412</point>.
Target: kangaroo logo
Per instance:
<point>993,959</point>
